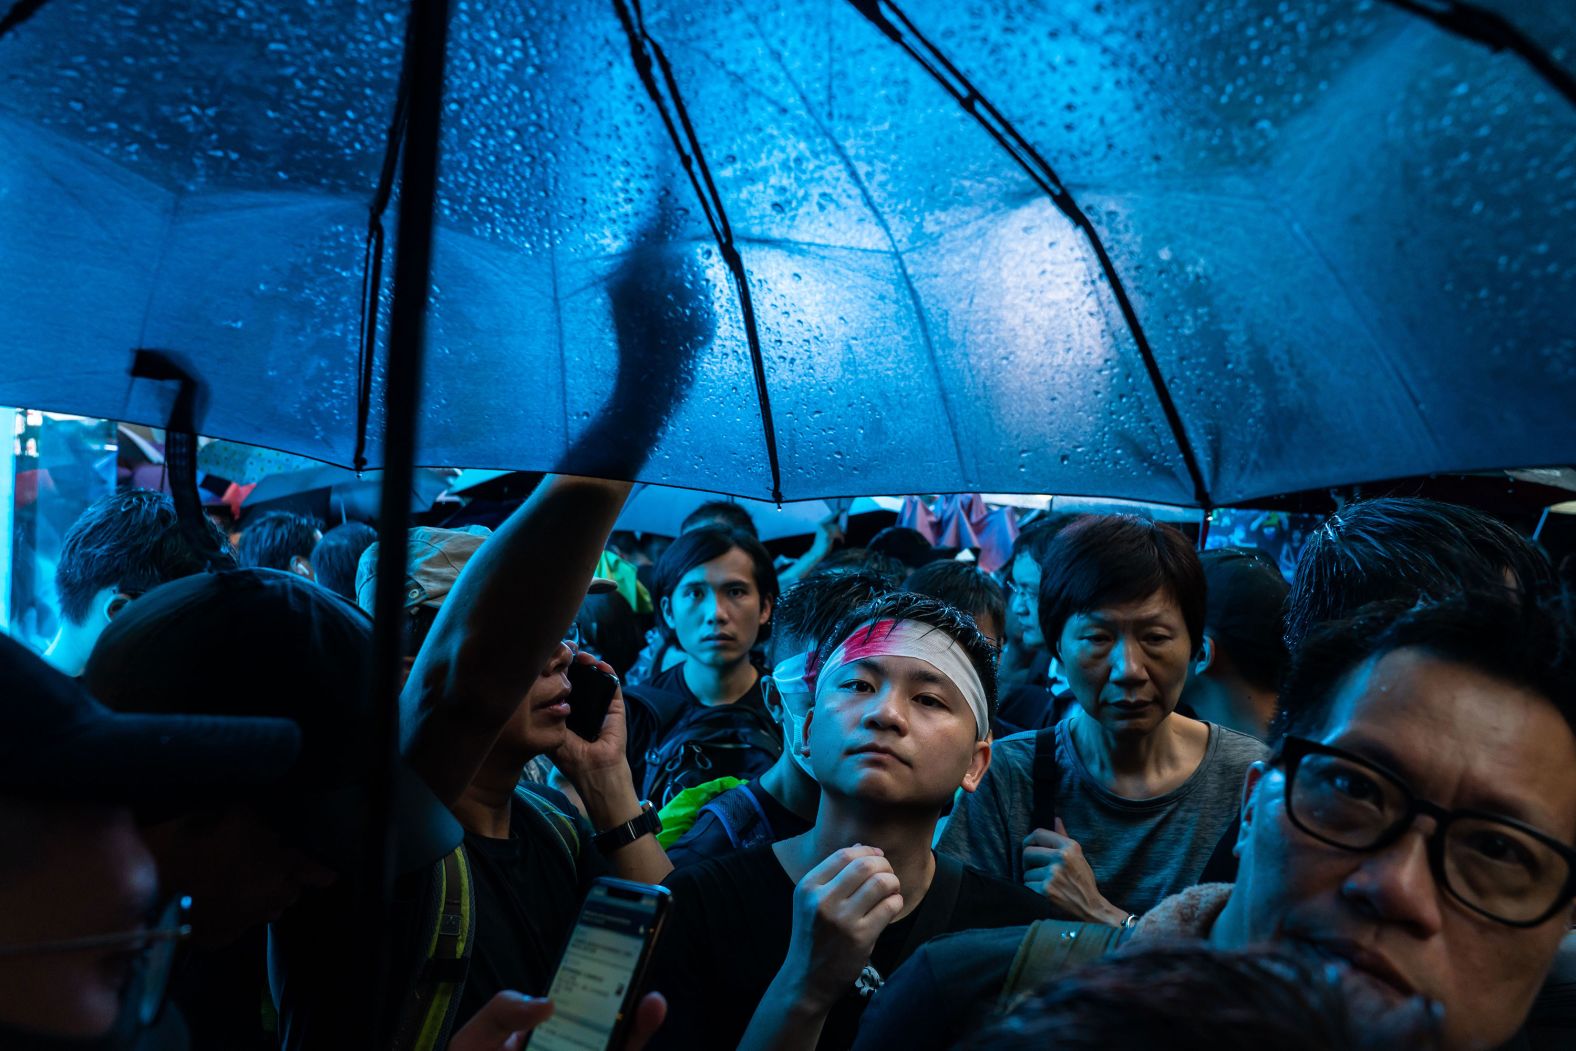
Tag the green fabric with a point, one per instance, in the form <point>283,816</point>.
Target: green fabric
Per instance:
<point>622,572</point>
<point>678,817</point>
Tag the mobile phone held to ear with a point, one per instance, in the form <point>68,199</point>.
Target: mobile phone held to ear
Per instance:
<point>590,693</point>
<point>601,976</point>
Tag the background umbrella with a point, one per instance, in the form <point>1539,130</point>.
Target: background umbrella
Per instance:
<point>662,509</point>
<point>1345,235</point>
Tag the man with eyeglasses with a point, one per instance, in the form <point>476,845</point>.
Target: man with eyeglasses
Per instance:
<point>87,935</point>
<point>1414,822</point>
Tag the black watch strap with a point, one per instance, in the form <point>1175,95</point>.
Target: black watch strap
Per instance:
<point>647,822</point>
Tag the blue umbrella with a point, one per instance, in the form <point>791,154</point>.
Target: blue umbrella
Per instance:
<point>1179,253</point>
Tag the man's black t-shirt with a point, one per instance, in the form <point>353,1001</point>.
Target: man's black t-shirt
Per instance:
<point>949,987</point>
<point>728,935</point>
<point>710,836</point>
<point>527,899</point>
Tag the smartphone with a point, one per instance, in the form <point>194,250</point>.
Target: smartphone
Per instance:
<point>590,693</point>
<point>601,976</point>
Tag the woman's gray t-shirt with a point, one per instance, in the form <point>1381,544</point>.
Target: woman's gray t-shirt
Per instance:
<point>1141,850</point>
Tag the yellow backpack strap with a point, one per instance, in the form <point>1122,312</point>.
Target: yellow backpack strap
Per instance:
<point>447,937</point>
<point>560,824</point>
<point>1050,949</point>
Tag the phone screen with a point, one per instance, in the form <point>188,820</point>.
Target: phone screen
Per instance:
<point>604,960</point>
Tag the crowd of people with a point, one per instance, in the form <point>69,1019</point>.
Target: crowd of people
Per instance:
<point>1122,794</point>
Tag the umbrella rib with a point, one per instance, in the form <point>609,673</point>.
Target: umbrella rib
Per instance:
<point>891,239</point>
<point>649,59</point>
<point>906,35</point>
<point>19,12</point>
<point>372,266</point>
<point>1496,32</point>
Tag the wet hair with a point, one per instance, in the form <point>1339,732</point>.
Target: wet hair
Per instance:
<point>906,605</point>
<point>962,585</point>
<point>810,608</point>
<point>724,513</point>
<point>609,628</point>
<point>862,560</point>
<point>1246,596</point>
<point>699,546</point>
<point>129,540</point>
<point>906,545</point>
<point>1035,538</point>
<point>336,556</point>
<point>1405,549</point>
<point>1188,996</point>
<point>1108,560</point>
<point>274,538</point>
<point>1517,639</point>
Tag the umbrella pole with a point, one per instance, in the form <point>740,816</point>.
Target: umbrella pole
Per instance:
<point>425,38</point>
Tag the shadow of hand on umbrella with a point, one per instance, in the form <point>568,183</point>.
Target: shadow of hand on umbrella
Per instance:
<point>662,317</point>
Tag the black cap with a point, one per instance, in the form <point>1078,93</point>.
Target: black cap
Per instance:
<point>57,742</point>
<point>264,642</point>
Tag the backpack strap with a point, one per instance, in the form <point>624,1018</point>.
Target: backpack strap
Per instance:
<point>1050,949</point>
<point>542,812</point>
<point>742,817</point>
<point>448,933</point>
<point>1047,780</point>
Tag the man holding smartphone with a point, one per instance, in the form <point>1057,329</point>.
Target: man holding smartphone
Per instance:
<point>903,690</point>
<point>532,856</point>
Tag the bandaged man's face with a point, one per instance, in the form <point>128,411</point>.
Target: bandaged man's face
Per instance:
<point>894,730</point>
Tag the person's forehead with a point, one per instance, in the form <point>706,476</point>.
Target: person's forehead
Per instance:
<point>1461,737</point>
<point>731,565</point>
<point>1159,607</point>
<point>1024,567</point>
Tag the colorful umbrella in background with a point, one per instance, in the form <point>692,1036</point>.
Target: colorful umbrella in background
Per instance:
<point>662,509</point>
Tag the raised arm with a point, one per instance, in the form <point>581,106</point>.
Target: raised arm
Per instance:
<point>500,625</point>
<point>520,591</point>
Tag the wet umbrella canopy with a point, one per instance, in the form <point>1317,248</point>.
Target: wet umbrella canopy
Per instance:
<point>1347,236</point>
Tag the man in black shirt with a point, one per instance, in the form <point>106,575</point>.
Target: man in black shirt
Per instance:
<point>715,590</point>
<point>777,946</point>
<point>782,801</point>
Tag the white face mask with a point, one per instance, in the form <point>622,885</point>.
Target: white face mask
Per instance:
<point>789,678</point>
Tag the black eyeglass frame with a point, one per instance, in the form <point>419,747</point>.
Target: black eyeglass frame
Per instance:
<point>1290,752</point>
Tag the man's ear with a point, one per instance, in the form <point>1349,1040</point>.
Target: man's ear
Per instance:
<point>804,735</point>
<point>113,605</point>
<point>773,699</point>
<point>766,610</point>
<point>667,611</point>
<point>1205,656</point>
<point>302,567</point>
<point>1251,779</point>
<point>979,763</point>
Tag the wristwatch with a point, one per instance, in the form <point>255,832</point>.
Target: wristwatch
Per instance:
<point>644,823</point>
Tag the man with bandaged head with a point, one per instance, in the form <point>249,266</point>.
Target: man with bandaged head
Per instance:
<point>783,800</point>
<point>904,690</point>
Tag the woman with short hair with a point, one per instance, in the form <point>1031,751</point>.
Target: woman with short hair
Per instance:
<point>1124,801</point>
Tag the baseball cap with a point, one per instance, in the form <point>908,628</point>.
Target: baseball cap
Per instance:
<point>261,642</point>
<point>57,742</point>
<point>434,559</point>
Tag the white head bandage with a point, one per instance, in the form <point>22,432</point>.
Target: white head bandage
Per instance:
<point>791,677</point>
<point>911,638</point>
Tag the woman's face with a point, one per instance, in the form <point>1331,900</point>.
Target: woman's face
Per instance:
<point>1127,664</point>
